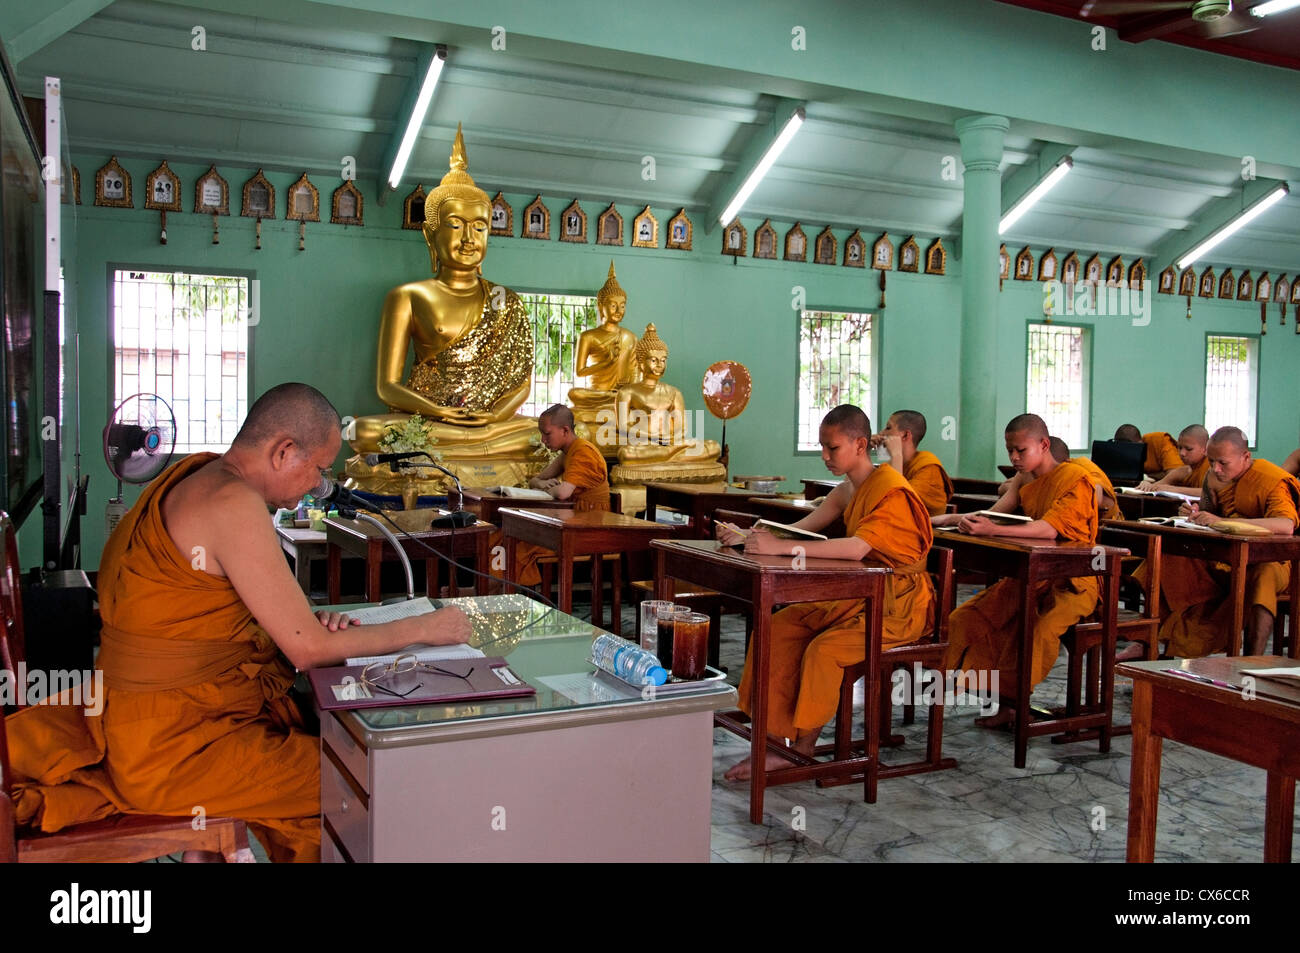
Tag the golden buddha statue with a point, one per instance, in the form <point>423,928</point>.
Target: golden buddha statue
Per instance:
<point>652,426</point>
<point>605,353</point>
<point>473,349</point>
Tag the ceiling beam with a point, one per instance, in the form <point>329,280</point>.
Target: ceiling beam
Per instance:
<point>1019,183</point>
<point>763,136</point>
<point>1213,216</point>
<point>52,25</point>
<point>403,118</point>
<point>1154,27</point>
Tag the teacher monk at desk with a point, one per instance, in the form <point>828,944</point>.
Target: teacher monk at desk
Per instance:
<point>813,642</point>
<point>198,604</point>
<point>1062,502</point>
<point>1245,490</point>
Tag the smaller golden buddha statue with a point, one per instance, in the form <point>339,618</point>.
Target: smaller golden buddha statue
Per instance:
<point>652,426</point>
<point>605,353</point>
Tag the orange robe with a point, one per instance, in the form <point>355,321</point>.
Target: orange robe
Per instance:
<point>1162,453</point>
<point>585,468</point>
<point>1196,593</point>
<point>1200,472</point>
<point>983,630</point>
<point>930,481</point>
<point>1097,476</point>
<point>813,642</point>
<point>197,712</point>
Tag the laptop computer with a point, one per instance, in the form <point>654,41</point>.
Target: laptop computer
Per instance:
<point>1122,462</point>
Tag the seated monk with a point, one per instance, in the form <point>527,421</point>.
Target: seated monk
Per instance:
<point>1162,452</point>
<point>606,354</point>
<point>901,437</point>
<point>1103,489</point>
<point>1196,593</point>
<point>983,631</point>
<point>578,474</point>
<point>472,340</point>
<point>1190,477</point>
<point>652,415</point>
<point>198,603</point>
<point>813,642</point>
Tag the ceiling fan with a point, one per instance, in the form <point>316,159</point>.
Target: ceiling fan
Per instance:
<point>1212,18</point>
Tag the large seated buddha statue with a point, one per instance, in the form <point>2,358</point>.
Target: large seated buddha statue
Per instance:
<point>473,352</point>
<point>653,428</point>
<point>606,359</point>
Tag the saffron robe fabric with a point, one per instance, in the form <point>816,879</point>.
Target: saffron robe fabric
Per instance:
<point>930,481</point>
<point>813,642</point>
<point>1162,453</point>
<point>197,712</point>
<point>585,468</point>
<point>1196,594</point>
<point>1109,500</point>
<point>983,631</point>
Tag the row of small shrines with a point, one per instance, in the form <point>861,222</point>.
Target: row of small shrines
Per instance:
<point>212,197</point>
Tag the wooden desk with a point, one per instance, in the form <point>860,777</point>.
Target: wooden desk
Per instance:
<point>585,770</point>
<point>1259,731</point>
<point>1140,507</point>
<point>305,546</point>
<point>696,500</point>
<point>1029,562</point>
<point>780,510</point>
<point>815,489</point>
<point>767,582</point>
<point>973,502</point>
<point>1238,552</point>
<point>569,534</point>
<point>362,539</point>
<point>972,485</point>
<point>487,504</point>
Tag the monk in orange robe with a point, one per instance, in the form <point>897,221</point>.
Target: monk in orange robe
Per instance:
<point>1196,593</point>
<point>902,435</point>
<point>982,631</point>
<point>578,474</point>
<point>1103,489</point>
<point>812,643</point>
<point>197,604</point>
<point>1162,451</point>
<point>1189,478</point>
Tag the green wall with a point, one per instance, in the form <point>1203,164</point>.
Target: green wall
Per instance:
<point>320,315</point>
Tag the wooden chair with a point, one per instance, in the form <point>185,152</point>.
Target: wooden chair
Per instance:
<point>1083,641</point>
<point>928,653</point>
<point>118,839</point>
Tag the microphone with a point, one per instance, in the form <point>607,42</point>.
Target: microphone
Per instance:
<point>374,459</point>
<point>459,517</point>
<point>329,492</point>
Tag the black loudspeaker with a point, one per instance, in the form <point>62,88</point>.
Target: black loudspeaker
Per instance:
<point>456,518</point>
<point>60,623</point>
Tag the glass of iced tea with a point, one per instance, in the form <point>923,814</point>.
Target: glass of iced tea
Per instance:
<point>664,616</point>
<point>690,644</point>
<point>650,610</point>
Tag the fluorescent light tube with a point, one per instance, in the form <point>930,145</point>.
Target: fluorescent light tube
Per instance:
<point>769,159</point>
<point>1045,185</point>
<point>1273,6</point>
<point>1249,215</point>
<point>417,117</point>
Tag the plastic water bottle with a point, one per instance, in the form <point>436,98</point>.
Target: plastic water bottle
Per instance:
<point>628,661</point>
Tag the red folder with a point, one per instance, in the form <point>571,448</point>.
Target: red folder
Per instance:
<point>471,679</point>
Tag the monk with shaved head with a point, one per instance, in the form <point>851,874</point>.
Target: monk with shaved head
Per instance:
<point>1162,452</point>
<point>1244,490</point>
<point>204,624</point>
<point>901,439</point>
<point>982,632</point>
<point>1193,442</point>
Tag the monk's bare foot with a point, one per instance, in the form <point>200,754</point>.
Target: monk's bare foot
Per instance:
<point>743,770</point>
<point>1000,721</point>
<point>202,857</point>
<point>1134,650</point>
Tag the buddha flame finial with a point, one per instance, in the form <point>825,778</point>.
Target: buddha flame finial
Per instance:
<point>456,184</point>
<point>610,288</point>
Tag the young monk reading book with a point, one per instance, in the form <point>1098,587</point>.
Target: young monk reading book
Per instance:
<point>1162,452</point>
<point>1062,501</point>
<point>578,474</point>
<point>1104,490</point>
<point>198,604</point>
<point>812,643</point>
<point>1244,490</point>
<point>1190,477</point>
<point>901,437</point>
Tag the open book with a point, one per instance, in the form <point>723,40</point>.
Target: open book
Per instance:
<point>785,531</point>
<point>1162,494</point>
<point>520,492</point>
<point>373,615</point>
<point>1177,521</point>
<point>1006,519</point>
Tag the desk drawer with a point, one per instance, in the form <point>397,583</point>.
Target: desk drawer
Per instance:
<point>352,753</point>
<point>346,811</point>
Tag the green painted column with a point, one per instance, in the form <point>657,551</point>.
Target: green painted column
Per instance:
<point>978,432</point>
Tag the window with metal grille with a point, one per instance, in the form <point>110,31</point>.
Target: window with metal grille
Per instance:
<point>557,321</point>
<point>1231,382</point>
<point>835,367</point>
<point>184,337</point>
<point>1056,382</point>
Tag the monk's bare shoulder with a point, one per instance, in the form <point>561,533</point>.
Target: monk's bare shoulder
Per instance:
<point>214,510</point>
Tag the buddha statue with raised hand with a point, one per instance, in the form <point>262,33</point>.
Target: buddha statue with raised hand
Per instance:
<point>605,353</point>
<point>472,340</point>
